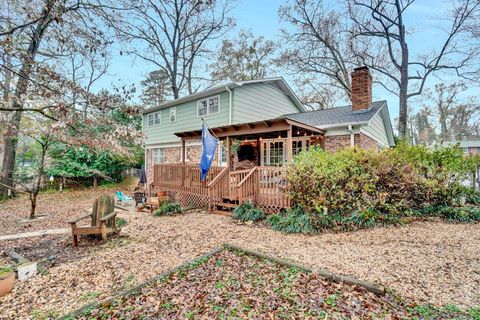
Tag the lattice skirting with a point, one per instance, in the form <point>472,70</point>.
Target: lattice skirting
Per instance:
<point>269,208</point>
<point>187,199</point>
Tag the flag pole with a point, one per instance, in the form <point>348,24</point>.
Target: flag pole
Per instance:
<point>213,134</point>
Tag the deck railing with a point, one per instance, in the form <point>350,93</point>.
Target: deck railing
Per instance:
<point>248,188</point>
<point>183,177</point>
<point>266,187</point>
<point>273,187</point>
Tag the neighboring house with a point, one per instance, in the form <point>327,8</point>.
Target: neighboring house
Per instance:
<point>470,145</point>
<point>256,103</point>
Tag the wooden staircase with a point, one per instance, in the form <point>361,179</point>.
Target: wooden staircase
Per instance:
<point>225,190</point>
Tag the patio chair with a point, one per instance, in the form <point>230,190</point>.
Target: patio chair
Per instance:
<point>102,217</point>
<point>140,197</point>
<point>122,198</point>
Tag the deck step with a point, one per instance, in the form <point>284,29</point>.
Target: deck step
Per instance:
<point>222,212</point>
<point>227,205</point>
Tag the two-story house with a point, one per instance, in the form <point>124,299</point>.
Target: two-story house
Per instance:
<point>261,125</point>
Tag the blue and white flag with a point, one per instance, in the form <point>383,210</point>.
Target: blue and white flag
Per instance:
<point>209,145</point>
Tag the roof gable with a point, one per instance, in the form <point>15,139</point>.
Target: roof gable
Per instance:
<point>344,116</point>
<point>277,82</point>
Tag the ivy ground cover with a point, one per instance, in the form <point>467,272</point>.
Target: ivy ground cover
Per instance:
<point>233,285</point>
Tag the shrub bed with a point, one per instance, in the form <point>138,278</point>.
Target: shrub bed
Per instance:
<point>168,208</point>
<point>353,188</point>
<point>247,212</point>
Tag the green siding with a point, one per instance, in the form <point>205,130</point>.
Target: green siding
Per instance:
<point>251,102</point>
<point>377,129</point>
<point>255,102</point>
<point>186,120</point>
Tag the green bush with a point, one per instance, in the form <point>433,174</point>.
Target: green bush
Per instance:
<point>247,212</point>
<point>168,208</point>
<point>353,189</point>
<point>294,220</point>
<point>459,214</point>
<point>4,270</point>
<point>119,222</point>
<point>392,181</point>
<point>350,181</point>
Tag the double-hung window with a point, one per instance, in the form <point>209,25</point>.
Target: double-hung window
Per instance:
<point>153,119</point>
<point>208,106</point>
<point>158,155</point>
<point>173,114</point>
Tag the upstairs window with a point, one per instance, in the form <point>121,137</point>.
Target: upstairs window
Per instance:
<point>153,119</point>
<point>173,114</point>
<point>208,106</point>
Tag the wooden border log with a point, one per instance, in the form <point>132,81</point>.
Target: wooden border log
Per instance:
<point>370,286</point>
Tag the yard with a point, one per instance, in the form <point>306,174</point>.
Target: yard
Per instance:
<point>427,262</point>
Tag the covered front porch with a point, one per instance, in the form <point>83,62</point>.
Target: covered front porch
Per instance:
<point>250,166</point>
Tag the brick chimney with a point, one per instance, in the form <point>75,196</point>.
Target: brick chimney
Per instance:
<point>361,89</point>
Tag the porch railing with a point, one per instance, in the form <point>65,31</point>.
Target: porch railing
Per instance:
<point>183,177</point>
<point>267,187</point>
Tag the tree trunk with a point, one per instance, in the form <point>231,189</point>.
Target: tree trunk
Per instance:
<point>36,184</point>
<point>95,182</point>
<point>11,138</point>
<point>33,204</point>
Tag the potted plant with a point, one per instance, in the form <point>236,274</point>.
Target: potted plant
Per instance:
<point>7,276</point>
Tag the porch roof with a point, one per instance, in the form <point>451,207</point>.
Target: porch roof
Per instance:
<point>257,128</point>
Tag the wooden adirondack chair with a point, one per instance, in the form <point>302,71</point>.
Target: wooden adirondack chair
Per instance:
<point>103,219</point>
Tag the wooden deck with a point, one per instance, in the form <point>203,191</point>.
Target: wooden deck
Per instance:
<point>266,187</point>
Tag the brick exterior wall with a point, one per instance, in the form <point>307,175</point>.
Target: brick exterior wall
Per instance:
<point>335,143</point>
<point>361,89</point>
<point>365,142</point>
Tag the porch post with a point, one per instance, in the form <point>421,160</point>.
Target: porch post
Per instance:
<point>289,143</point>
<point>183,162</point>
<point>229,161</point>
<point>183,151</point>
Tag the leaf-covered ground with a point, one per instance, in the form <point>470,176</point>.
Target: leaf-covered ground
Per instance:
<point>54,209</point>
<point>232,285</point>
<point>429,262</point>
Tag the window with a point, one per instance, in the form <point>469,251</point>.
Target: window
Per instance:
<point>276,153</point>
<point>273,151</point>
<point>208,106</point>
<point>158,155</point>
<point>153,119</point>
<point>222,156</point>
<point>173,114</point>
<point>300,144</point>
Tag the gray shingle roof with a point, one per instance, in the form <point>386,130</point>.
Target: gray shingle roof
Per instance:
<point>337,115</point>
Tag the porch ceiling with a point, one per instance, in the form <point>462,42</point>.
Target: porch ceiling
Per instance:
<point>255,129</point>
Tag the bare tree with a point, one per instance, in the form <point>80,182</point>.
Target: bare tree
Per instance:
<point>318,44</point>
<point>451,112</point>
<point>245,57</point>
<point>422,127</point>
<point>382,24</point>
<point>171,34</point>
<point>33,36</point>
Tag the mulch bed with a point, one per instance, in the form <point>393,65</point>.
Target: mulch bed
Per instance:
<point>235,285</point>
